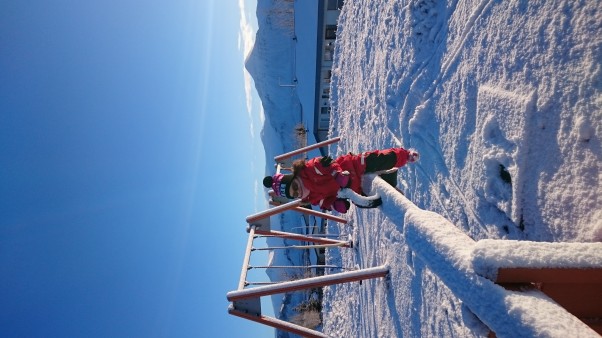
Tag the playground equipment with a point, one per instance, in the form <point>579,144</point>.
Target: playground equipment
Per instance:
<point>245,302</point>
<point>518,292</point>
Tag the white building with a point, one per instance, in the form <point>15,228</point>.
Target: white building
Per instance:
<point>328,15</point>
<point>314,85</point>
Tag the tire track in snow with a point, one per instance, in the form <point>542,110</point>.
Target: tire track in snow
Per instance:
<point>414,96</point>
<point>440,163</point>
<point>413,99</point>
<point>456,52</point>
<point>419,70</point>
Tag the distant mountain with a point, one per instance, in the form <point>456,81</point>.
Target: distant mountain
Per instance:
<point>271,65</point>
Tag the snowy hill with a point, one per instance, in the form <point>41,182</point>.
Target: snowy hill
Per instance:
<point>270,64</point>
<point>504,102</point>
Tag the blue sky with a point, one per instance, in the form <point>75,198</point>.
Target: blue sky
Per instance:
<point>129,159</point>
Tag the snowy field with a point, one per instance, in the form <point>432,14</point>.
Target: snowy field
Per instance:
<point>503,99</point>
<point>504,102</point>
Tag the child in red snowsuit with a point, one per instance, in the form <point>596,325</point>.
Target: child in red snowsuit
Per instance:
<point>318,180</point>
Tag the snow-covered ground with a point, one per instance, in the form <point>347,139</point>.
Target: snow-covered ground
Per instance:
<point>503,99</point>
<point>474,85</point>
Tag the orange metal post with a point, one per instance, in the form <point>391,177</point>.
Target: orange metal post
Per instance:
<point>273,211</point>
<point>279,324</point>
<point>321,214</point>
<point>578,290</point>
<point>308,283</point>
<point>311,239</point>
<point>283,157</point>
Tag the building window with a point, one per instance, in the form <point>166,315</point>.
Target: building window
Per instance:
<point>334,5</point>
<point>326,75</point>
<point>324,120</point>
<point>329,51</point>
<point>331,32</point>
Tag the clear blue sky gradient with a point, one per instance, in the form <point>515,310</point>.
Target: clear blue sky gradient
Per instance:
<point>127,168</point>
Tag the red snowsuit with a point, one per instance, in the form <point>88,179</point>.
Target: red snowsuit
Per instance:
<point>320,179</point>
